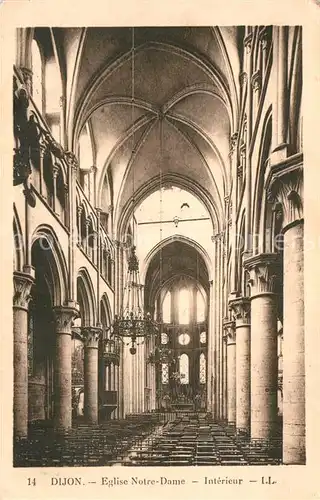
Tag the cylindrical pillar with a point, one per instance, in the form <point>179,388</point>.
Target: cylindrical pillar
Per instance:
<point>264,270</point>
<point>230,335</point>
<point>72,183</point>
<point>64,315</point>
<point>224,378</point>
<point>293,348</point>
<point>234,166</point>
<point>241,313</point>
<point>286,186</point>
<point>210,364</point>
<point>22,287</point>
<point>247,141</point>
<point>91,335</point>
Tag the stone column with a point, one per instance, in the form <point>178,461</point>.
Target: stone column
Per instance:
<point>224,378</point>
<point>55,172</point>
<point>241,313</point>
<point>247,140</point>
<point>264,271</point>
<point>64,315</point>
<point>72,182</point>
<point>282,85</point>
<point>92,336</point>
<point>230,334</point>
<point>280,94</point>
<point>23,282</point>
<point>287,189</point>
<point>234,166</point>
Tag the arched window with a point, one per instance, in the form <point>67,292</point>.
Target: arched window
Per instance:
<point>37,75</point>
<point>203,370</point>
<point>200,307</point>
<point>164,338</point>
<point>155,315</point>
<point>184,368</point>
<point>166,308</point>
<point>203,337</point>
<point>53,88</point>
<point>184,306</point>
<point>165,373</point>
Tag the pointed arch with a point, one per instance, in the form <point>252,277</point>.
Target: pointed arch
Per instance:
<point>18,243</point>
<point>260,198</point>
<point>86,298</point>
<point>184,239</point>
<point>106,309</point>
<point>48,249</point>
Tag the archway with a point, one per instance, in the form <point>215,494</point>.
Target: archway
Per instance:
<point>179,291</point>
<point>45,293</point>
<point>87,316</point>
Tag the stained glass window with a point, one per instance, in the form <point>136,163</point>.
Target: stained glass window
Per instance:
<point>184,368</point>
<point>165,373</point>
<point>200,307</point>
<point>203,337</point>
<point>184,306</point>
<point>202,368</point>
<point>166,308</point>
<point>184,339</point>
<point>164,338</point>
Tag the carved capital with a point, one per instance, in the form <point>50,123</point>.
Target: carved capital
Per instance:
<point>91,336</point>
<point>27,78</point>
<point>240,171</point>
<point>55,170</point>
<point>217,237</point>
<point>243,78</point>
<point>62,101</point>
<point>263,37</point>
<point>247,42</point>
<point>286,188</point>
<point>42,149</point>
<point>23,282</point>
<point>256,81</point>
<point>233,143</point>
<point>229,332</point>
<point>264,271</point>
<point>64,316</point>
<point>72,160</point>
<point>240,308</point>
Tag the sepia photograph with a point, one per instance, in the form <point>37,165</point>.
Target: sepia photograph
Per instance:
<point>158,225</point>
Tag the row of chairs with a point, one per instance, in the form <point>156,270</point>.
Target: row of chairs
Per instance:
<point>196,440</point>
<point>83,445</point>
<point>145,440</point>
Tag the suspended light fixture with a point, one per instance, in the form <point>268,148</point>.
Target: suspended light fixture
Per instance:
<point>133,321</point>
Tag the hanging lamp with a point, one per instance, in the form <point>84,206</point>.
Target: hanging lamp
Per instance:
<point>133,321</point>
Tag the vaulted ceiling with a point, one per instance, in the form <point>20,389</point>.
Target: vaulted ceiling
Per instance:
<point>170,105</point>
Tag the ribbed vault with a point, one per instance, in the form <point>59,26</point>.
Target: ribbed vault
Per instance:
<point>168,105</point>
